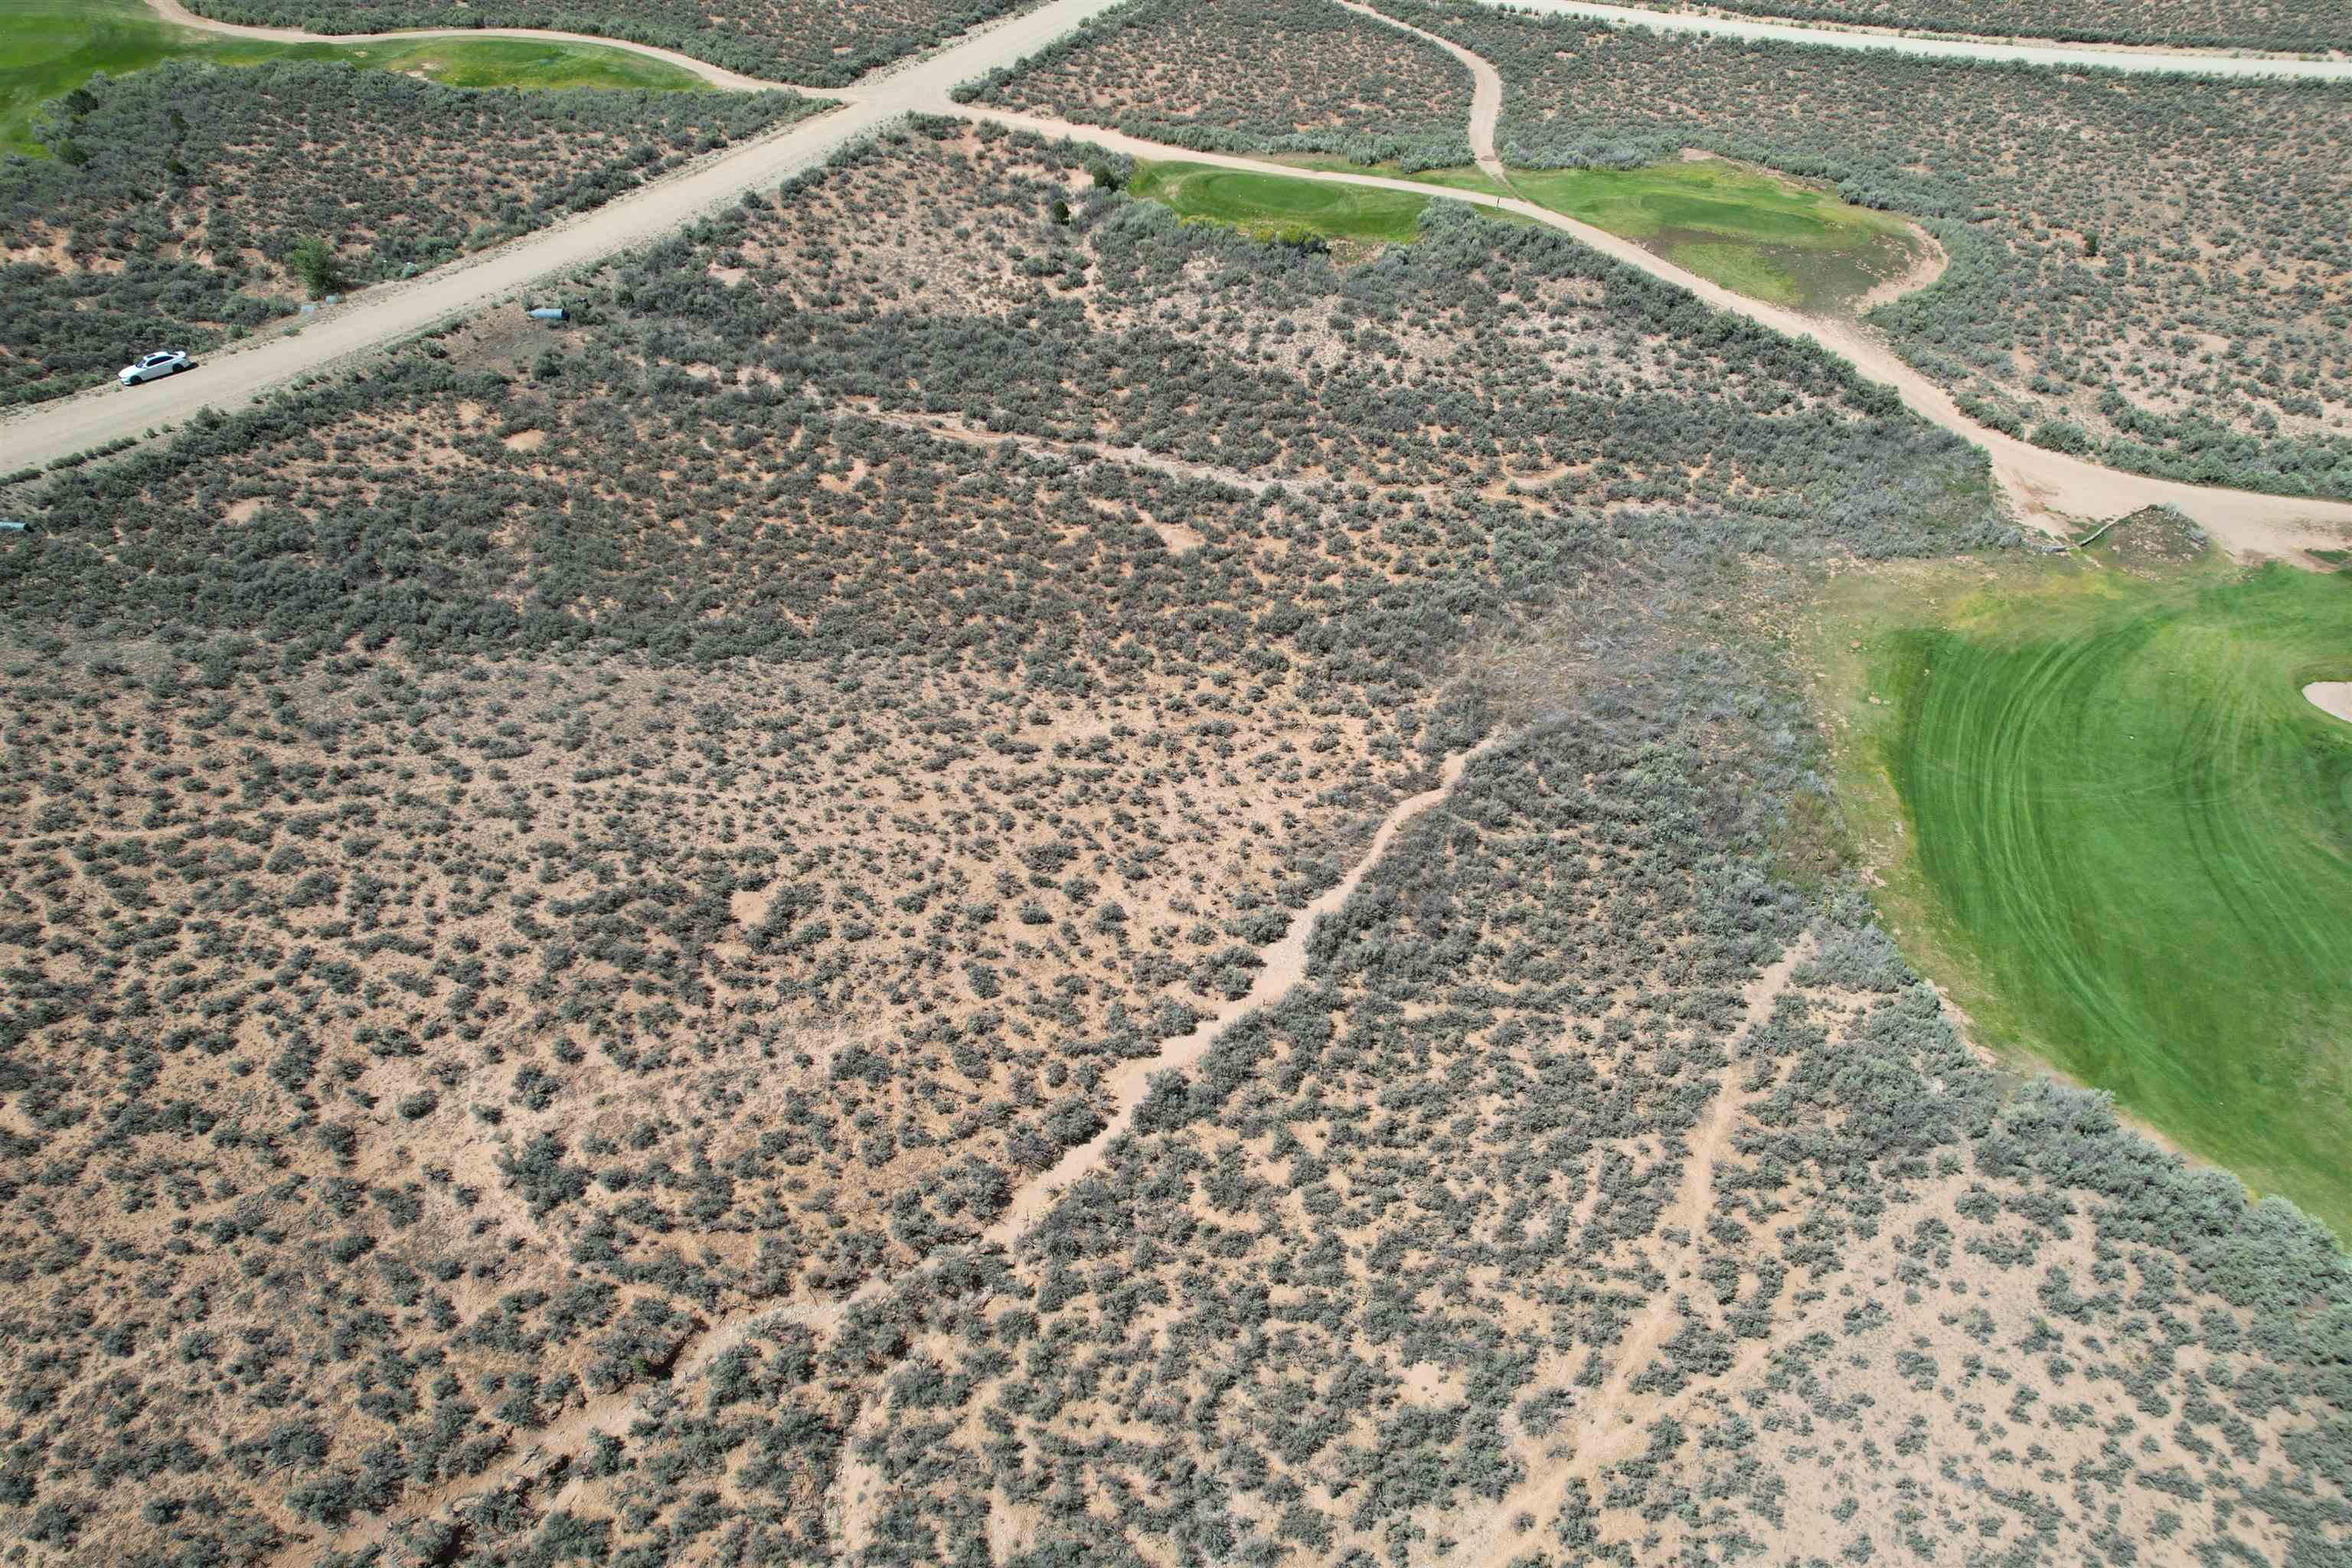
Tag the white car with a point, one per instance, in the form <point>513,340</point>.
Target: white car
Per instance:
<point>169,361</point>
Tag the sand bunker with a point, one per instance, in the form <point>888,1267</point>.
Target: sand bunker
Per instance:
<point>2332,697</point>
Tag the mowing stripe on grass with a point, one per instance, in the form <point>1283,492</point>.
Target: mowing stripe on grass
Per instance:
<point>2131,837</point>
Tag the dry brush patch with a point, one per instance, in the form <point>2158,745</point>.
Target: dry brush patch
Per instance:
<point>1295,75</point>
<point>1421,1268</point>
<point>569,838</point>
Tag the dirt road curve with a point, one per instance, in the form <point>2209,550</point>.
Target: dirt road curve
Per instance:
<point>1486,92</point>
<point>230,380</point>
<point>717,76</point>
<point>2047,487</point>
<point>2202,63</point>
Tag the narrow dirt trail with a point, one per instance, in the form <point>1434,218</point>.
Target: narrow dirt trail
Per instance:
<point>1039,447</point>
<point>2050,489</point>
<point>1285,967</point>
<point>178,15</point>
<point>852,1508</point>
<point>1592,1439</point>
<point>545,1450</point>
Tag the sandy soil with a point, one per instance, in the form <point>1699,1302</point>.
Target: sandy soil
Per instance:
<point>1928,264</point>
<point>1286,966</point>
<point>1597,1434</point>
<point>2332,697</point>
<point>550,1446</point>
<point>947,430</point>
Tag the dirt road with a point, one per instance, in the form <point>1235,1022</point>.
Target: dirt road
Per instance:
<point>2020,51</point>
<point>2048,488</point>
<point>535,264</point>
<point>1486,92</point>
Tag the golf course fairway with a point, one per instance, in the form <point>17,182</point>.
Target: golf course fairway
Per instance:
<point>2112,824</point>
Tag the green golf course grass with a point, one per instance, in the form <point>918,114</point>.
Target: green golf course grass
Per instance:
<point>2112,825</point>
<point>48,47</point>
<point>1766,237</point>
<point>1753,232</point>
<point>1274,206</point>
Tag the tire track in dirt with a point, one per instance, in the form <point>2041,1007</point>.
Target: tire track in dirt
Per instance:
<point>2045,52</point>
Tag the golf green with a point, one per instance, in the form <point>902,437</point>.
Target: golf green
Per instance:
<point>48,47</point>
<point>1272,206</point>
<point>2130,846</point>
<point>1749,230</point>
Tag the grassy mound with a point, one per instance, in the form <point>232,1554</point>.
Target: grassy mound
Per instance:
<point>48,47</point>
<point>1766,237</point>
<point>2126,842</point>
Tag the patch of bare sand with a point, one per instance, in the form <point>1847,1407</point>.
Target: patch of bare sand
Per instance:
<point>1928,261</point>
<point>2331,697</point>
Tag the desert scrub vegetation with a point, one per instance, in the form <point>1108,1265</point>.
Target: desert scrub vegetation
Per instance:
<point>1595,1197</point>
<point>1487,355</point>
<point>570,837</point>
<point>1302,76</point>
<point>2230,25</point>
<point>178,196</point>
<point>2139,268</point>
<point>820,43</point>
